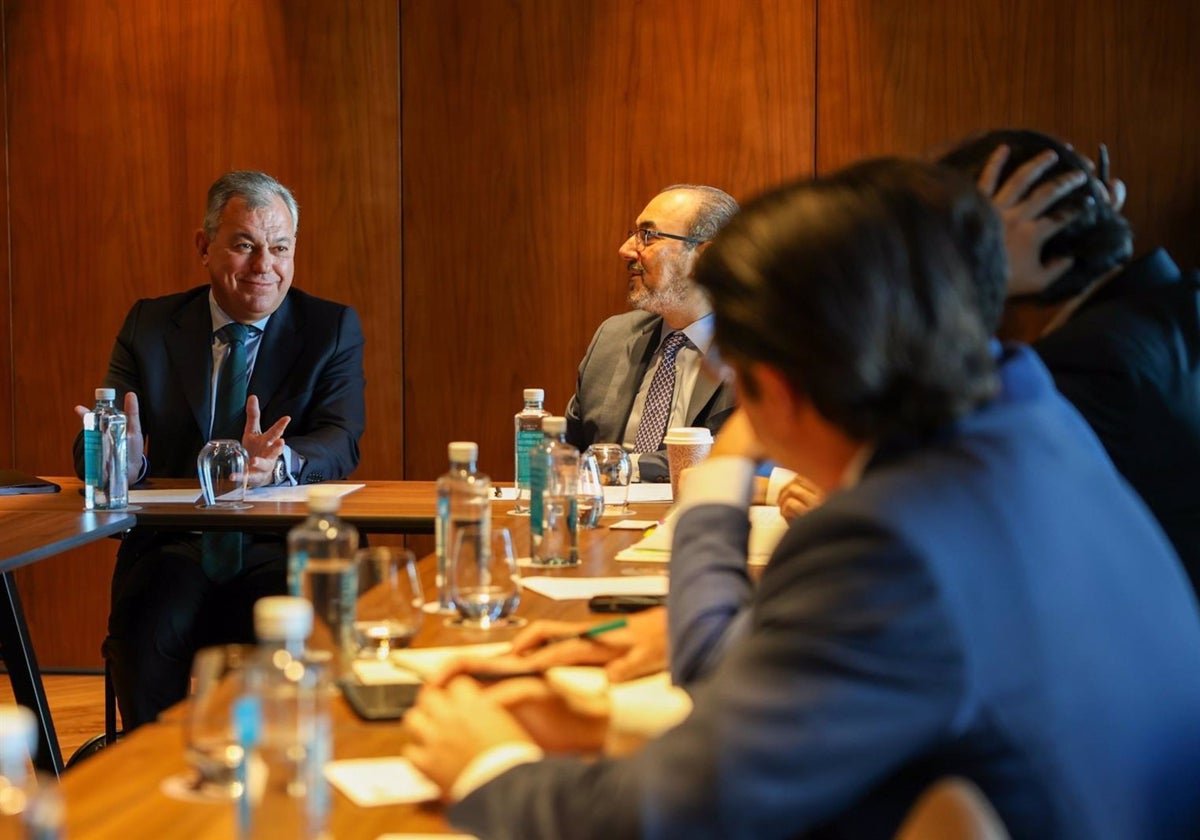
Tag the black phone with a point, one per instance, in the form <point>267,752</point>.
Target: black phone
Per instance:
<point>380,702</point>
<point>624,603</point>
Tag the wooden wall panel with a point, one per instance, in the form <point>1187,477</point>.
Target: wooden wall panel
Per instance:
<point>533,134</point>
<point>122,114</point>
<point>904,76</point>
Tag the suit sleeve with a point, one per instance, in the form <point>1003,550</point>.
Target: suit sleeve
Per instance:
<point>850,670</point>
<point>337,420</point>
<point>123,374</point>
<point>575,409</point>
<point>711,589</point>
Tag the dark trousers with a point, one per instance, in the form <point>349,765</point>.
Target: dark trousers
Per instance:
<point>164,608</point>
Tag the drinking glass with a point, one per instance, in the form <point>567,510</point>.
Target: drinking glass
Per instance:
<point>589,493</point>
<point>213,748</point>
<point>222,469</point>
<point>484,581</point>
<point>388,613</point>
<point>612,462</point>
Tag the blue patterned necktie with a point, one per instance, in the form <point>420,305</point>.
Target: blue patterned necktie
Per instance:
<point>657,411</point>
<point>229,412</point>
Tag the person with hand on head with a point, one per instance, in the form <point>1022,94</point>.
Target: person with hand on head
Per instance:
<point>914,625</point>
<point>644,371</point>
<point>1120,335</point>
<point>248,357</point>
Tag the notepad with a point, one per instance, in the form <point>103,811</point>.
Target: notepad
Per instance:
<point>17,483</point>
<point>767,527</point>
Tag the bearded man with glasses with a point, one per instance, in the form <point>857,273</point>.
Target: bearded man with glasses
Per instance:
<point>643,371</point>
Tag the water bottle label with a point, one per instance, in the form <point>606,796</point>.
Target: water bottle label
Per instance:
<point>526,440</point>
<point>537,486</point>
<point>93,447</point>
<point>297,560</point>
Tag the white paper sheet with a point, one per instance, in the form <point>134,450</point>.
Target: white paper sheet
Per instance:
<point>381,781</point>
<point>425,661</point>
<point>569,589</point>
<point>767,527</point>
<point>299,493</point>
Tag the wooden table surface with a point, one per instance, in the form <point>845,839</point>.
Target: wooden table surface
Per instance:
<point>396,507</point>
<point>117,793</point>
<point>31,535</point>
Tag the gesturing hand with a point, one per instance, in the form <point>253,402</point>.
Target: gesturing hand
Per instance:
<point>263,448</point>
<point>1026,230</point>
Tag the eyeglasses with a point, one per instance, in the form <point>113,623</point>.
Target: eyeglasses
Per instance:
<point>642,237</point>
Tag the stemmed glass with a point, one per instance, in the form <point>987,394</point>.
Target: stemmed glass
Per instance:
<point>612,463</point>
<point>389,611</point>
<point>484,581</point>
<point>221,466</point>
<point>213,748</point>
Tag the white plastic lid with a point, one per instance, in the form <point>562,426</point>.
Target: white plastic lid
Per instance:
<point>554,425</point>
<point>688,435</point>
<point>281,618</point>
<point>323,499</point>
<point>534,394</point>
<point>106,393</point>
<point>18,732</point>
<point>463,450</point>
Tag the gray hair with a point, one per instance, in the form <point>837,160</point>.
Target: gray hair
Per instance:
<point>716,208</point>
<point>257,189</point>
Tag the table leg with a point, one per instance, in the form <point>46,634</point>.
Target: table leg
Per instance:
<point>24,674</point>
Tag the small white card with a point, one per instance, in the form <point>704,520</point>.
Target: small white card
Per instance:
<point>381,781</point>
<point>570,589</point>
<point>633,525</point>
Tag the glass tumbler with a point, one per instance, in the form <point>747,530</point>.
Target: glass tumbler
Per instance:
<point>221,466</point>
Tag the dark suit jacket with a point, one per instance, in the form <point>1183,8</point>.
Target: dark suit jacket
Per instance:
<point>309,366</point>
<point>609,377</point>
<point>994,603</point>
<point>1129,360</point>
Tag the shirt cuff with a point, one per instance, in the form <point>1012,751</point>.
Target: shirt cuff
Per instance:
<point>647,707</point>
<point>491,764</point>
<point>293,463</point>
<point>143,471</point>
<point>723,480</point>
<point>780,478</point>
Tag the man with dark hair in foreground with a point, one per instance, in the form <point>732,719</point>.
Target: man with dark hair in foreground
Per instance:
<point>1120,336</point>
<point>934,616</point>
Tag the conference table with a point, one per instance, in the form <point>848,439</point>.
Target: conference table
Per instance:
<point>33,532</point>
<point>117,793</point>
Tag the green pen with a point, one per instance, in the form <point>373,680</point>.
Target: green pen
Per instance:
<point>590,633</point>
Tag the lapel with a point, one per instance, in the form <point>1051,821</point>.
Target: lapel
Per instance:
<point>627,376</point>
<point>281,346</point>
<point>706,386</point>
<point>189,348</point>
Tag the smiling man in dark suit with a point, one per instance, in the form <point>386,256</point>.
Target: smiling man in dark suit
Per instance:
<point>246,357</point>
<point>643,371</point>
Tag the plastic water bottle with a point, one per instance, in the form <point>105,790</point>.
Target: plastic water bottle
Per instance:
<point>31,806</point>
<point>284,725</point>
<point>105,452</point>
<point>463,498</point>
<point>554,478</point>
<point>321,569</point>
<point>527,433</point>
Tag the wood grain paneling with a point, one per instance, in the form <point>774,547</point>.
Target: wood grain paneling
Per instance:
<point>122,114</point>
<point>533,134</point>
<point>905,76</point>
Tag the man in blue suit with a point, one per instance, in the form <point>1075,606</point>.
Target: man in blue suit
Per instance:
<point>966,601</point>
<point>301,373</point>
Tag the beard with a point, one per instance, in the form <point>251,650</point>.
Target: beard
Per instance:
<point>670,293</point>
